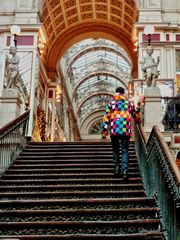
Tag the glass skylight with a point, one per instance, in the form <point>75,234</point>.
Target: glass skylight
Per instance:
<point>96,67</point>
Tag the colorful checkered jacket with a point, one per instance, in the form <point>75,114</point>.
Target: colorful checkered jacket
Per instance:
<point>117,116</point>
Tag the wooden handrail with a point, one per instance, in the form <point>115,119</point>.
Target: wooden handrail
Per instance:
<point>144,135</point>
<point>12,124</point>
<point>168,154</point>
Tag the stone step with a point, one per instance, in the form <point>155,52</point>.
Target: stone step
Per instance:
<point>72,194</point>
<point>60,152</point>
<point>78,215</point>
<point>94,203</point>
<point>82,176</point>
<point>72,150</point>
<point>51,165</point>
<point>58,187</point>
<point>81,227</point>
<point>104,157</point>
<point>80,162</point>
<point>56,170</point>
<point>137,236</point>
<point>30,182</point>
<point>77,144</point>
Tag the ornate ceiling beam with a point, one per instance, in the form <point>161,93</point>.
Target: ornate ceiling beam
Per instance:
<point>96,74</point>
<point>89,97</point>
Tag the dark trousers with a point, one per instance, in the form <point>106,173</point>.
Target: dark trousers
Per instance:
<point>124,141</point>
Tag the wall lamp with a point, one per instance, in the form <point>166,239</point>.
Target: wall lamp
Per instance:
<point>15,31</point>
<point>149,30</point>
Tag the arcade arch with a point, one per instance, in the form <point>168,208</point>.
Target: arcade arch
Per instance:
<point>98,34</point>
<point>93,72</point>
<point>69,21</point>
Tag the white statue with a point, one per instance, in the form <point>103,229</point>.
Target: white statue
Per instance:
<point>149,67</point>
<point>14,79</point>
<point>12,68</point>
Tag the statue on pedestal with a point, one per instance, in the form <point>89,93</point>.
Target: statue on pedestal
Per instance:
<point>149,68</point>
<point>12,68</point>
<point>13,79</point>
<point>152,94</point>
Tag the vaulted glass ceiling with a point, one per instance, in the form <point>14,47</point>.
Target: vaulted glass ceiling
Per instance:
<point>95,67</point>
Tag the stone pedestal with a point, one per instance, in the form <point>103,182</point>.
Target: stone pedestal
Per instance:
<point>152,109</point>
<point>9,106</point>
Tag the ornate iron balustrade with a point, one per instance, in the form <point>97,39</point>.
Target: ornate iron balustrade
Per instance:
<point>12,140</point>
<point>161,177</point>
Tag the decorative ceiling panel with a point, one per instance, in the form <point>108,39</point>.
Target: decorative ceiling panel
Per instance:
<point>116,3</point>
<point>101,1</point>
<point>85,1</point>
<point>86,16</point>
<point>71,12</point>
<point>59,20</point>
<point>116,11</point>
<point>57,11</point>
<point>68,4</point>
<point>86,8</point>
<point>101,8</point>
<point>54,3</point>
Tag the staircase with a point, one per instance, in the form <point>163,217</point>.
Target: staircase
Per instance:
<point>68,191</point>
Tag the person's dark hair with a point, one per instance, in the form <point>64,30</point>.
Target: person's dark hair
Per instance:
<point>120,90</point>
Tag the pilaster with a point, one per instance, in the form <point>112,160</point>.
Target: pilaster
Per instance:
<point>10,104</point>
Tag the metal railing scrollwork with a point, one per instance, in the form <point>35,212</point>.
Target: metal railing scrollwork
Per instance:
<point>13,140</point>
<point>161,176</point>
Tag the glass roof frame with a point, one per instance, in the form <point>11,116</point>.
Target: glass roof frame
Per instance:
<point>88,62</point>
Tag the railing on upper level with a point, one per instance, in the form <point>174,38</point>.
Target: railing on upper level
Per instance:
<point>171,113</point>
<point>161,176</point>
<point>12,140</point>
